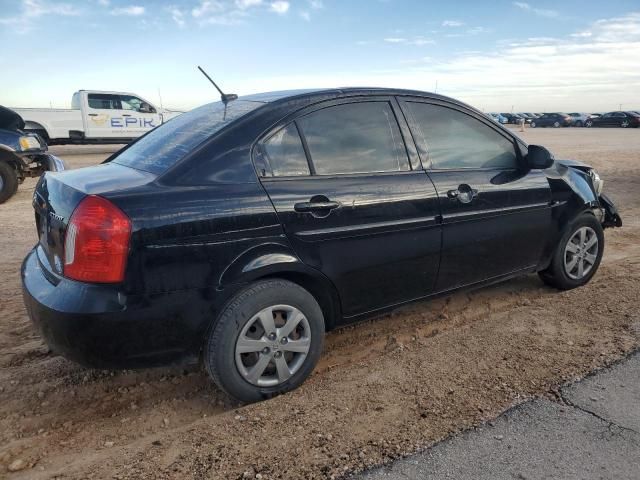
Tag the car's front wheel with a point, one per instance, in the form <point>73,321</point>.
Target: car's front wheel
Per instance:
<point>577,255</point>
<point>589,123</point>
<point>8,181</point>
<point>578,123</point>
<point>533,124</point>
<point>267,341</point>
<point>556,124</point>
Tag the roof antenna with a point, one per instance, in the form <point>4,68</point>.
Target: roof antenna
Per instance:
<point>225,97</point>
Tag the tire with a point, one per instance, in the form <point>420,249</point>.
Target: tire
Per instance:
<point>8,181</point>
<point>556,124</point>
<point>560,273</point>
<point>239,326</point>
<point>533,124</point>
<point>624,124</point>
<point>578,123</point>
<point>588,123</point>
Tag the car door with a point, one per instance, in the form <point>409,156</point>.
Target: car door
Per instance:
<point>496,213</point>
<point>138,116</point>
<point>619,118</point>
<point>354,202</point>
<point>544,120</point>
<point>103,116</point>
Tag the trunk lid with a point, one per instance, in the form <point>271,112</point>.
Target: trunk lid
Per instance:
<point>58,194</point>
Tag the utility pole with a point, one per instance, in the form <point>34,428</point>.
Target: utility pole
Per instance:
<point>436,89</point>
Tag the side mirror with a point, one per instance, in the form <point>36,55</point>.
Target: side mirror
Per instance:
<point>539,157</point>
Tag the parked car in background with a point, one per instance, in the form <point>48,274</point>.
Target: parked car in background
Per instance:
<point>579,119</point>
<point>95,117</point>
<point>615,119</point>
<point>527,117</point>
<point>552,120</point>
<point>512,118</point>
<point>278,216</point>
<point>22,154</point>
<point>499,118</point>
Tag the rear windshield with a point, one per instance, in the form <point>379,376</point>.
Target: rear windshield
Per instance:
<point>163,147</point>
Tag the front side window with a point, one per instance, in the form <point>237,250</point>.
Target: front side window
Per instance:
<point>285,153</point>
<point>451,139</point>
<point>104,101</point>
<point>354,138</point>
<point>136,104</point>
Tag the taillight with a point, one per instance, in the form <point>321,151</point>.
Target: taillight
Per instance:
<point>96,243</point>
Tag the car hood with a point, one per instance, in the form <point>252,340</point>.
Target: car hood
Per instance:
<point>10,120</point>
<point>574,164</point>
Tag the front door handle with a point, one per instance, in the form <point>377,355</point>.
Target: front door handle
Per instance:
<point>304,207</point>
<point>92,114</point>
<point>126,114</point>
<point>463,194</point>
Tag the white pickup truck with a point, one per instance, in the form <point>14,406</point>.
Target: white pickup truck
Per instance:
<point>95,117</point>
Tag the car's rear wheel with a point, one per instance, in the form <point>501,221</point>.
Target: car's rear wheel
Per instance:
<point>266,342</point>
<point>624,124</point>
<point>8,181</point>
<point>578,123</point>
<point>533,124</point>
<point>578,254</point>
<point>588,123</point>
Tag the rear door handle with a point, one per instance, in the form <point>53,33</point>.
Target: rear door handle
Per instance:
<point>303,207</point>
<point>92,114</point>
<point>126,114</point>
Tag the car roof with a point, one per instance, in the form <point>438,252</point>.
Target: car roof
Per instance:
<point>319,94</point>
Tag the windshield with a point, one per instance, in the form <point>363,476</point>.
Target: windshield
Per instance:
<point>164,146</point>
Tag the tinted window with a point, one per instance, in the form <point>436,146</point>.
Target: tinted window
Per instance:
<point>170,142</point>
<point>451,139</point>
<point>103,100</point>
<point>354,138</point>
<point>285,152</point>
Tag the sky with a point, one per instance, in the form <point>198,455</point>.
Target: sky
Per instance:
<point>568,55</point>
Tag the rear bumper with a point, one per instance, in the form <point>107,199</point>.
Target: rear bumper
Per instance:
<point>98,326</point>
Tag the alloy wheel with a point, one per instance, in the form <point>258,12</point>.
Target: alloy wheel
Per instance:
<point>556,124</point>
<point>273,345</point>
<point>580,253</point>
<point>624,124</point>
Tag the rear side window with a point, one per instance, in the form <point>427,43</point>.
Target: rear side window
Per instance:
<point>285,152</point>
<point>451,139</point>
<point>354,138</point>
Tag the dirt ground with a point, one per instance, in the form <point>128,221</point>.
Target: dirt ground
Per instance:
<point>383,389</point>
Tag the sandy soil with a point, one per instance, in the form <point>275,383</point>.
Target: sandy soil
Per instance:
<point>383,389</point>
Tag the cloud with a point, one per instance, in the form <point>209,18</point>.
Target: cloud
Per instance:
<point>280,7</point>
<point>305,16</point>
<point>316,4</point>
<point>244,4</point>
<point>33,9</point>
<point>131,11</point>
<point>416,41</point>
<point>177,16</point>
<point>452,23</point>
<point>591,73</point>
<point>541,12</point>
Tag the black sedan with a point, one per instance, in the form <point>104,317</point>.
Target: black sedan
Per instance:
<point>555,120</point>
<point>238,233</point>
<point>615,119</point>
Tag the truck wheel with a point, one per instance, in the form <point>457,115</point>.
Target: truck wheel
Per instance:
<point>8,181</point>
<point>578,254</point>
<point>266,342</point>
